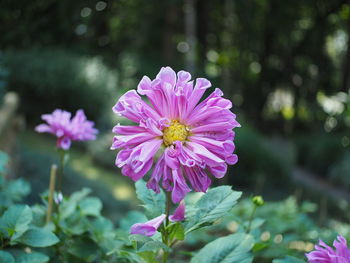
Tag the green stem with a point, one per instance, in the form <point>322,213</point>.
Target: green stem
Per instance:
<point>251,219</point>
<point>51,193</point>
<point>63,155</point>
<point>165,234</point>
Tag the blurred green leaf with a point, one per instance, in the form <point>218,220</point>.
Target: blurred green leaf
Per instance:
<point>153,245</point>
<point>154,203</point>
<point>140,238</point>
<point>91,206</point>
<point>6,257</point>
<point>131,218</point>
<point>3,162</point>
<point>177,231</point>
<point>39,237</point>
<point>288,259</point>
<point>32,257</point>
<point>15,221</point>
<point>148,256</point>
<point>69,205</point>
<point>84,248</point>
<point>231,249</point>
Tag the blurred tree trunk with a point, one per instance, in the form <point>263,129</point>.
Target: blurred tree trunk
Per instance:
<point>346,66</point>
<point>169,30</point>
<point>190,32</point>
<point>203,8</point>
<point>227,43</point>
<point>258,96</point>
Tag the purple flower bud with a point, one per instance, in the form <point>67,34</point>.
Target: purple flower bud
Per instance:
<point>179,214</point>
<point>148,228</point>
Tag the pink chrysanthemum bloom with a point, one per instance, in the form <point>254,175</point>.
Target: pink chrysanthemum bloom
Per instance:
<point>325,254</point>
<point>66,129</point>
<point>193,139</point>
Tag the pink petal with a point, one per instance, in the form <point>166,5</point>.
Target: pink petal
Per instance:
<point>148,228</point>
<point>166,74</point>
<point>209,158</point>
<point>179,214</point>
<point>180,187</point>
<point>198,178</point>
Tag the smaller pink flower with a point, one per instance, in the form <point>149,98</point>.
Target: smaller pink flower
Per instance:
<point>325,254</point>
<point>60,124</point>
<point>148,228</point>
<point>179,214</point>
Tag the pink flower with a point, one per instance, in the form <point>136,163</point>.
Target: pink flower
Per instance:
<point>66,129</point>
<point>149,228</point>
<point>325,254</point>
<point>179,214</point>
<point>193,138</point>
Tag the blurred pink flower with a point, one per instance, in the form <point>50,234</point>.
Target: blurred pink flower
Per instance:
<point>66,129</point>
<point>179,213</point>
<point>193,138</point>
<point>325,254</point>
<point>149,228</point>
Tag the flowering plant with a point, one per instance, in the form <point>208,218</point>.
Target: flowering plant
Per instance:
<point>183,141</point>
<point>60,124</point>
<point>193,138</point>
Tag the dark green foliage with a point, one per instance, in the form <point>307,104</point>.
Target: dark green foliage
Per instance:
<point>339,171</point>
<point>261,159</point>
<point>35,166</point>
<point>3,77</point>
<point>18,230</point>
<point>54,78</point>
<point>318,152</point>
<point>77,233</point>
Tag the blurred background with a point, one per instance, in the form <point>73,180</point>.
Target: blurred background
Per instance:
<point>284,64</point>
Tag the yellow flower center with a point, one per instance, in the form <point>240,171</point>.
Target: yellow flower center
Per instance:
<point>175,132</point>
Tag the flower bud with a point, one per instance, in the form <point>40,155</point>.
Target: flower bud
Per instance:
<point>258,200</point>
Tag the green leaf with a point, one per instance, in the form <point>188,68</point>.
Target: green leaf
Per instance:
<point>288,259</point>
<point>68,207</point>
<point>260,246</point>
<point>154,203</point>
<point>17,189</point>
<point>140,238</point>
<point>84,248</point>
<point>75,224</point>
<point>32,257</point>
<point>231,249</point>
<point>131,218</point>
<point>39,237</point>
<point>6,257</point>
<point>91,206</point>
<point>148,256</point>
<point>15,221</point>
<point>153,246</point>
<point>177,231</point>
<point>101,226</point>
<point>213,205</point>
<point>4,158</point>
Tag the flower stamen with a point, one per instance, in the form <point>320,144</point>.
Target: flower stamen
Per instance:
<point>175,132</point>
